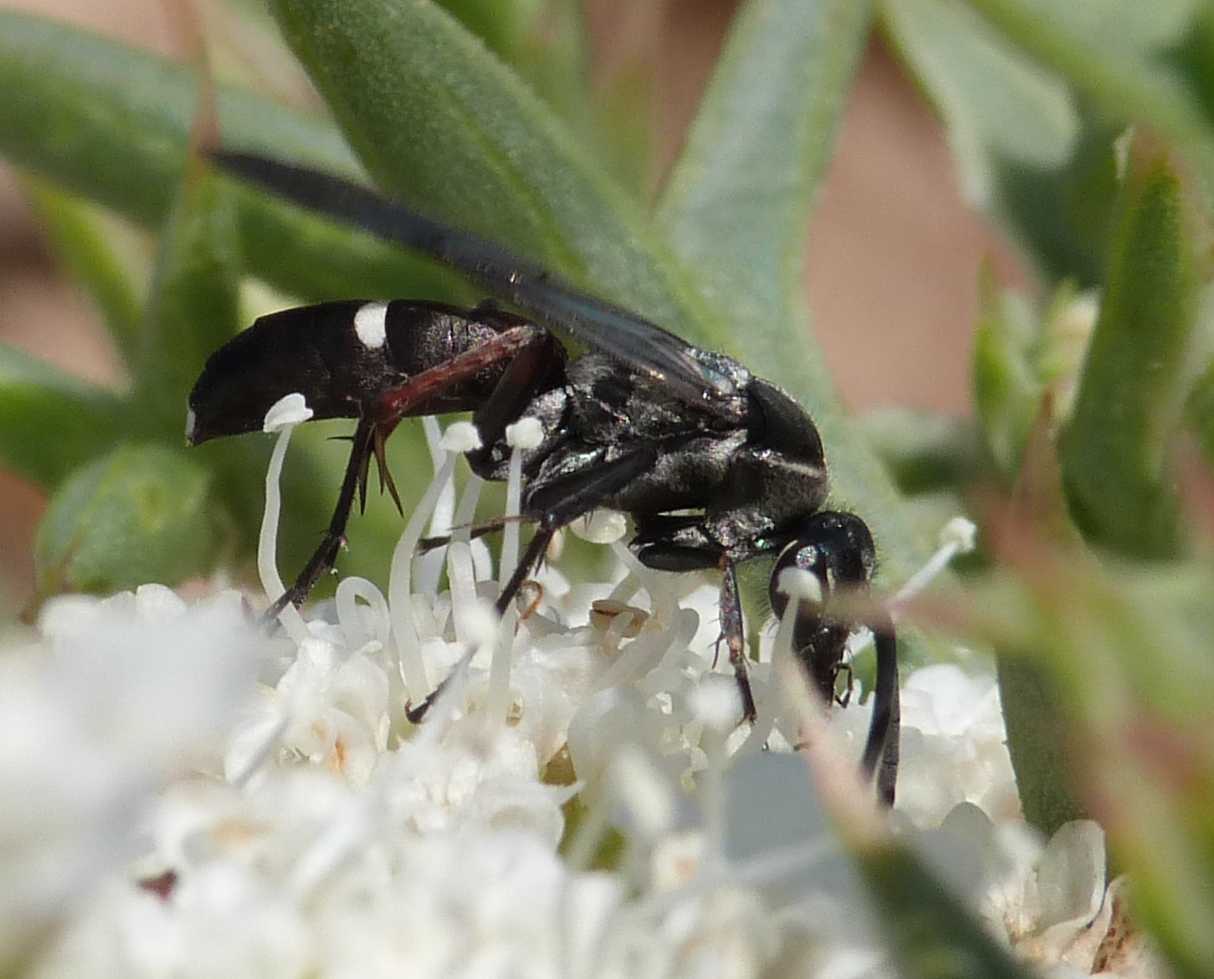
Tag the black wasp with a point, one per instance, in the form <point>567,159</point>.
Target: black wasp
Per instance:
<point>714,465</point>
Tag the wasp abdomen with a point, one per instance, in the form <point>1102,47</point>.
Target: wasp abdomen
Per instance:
<point>339,355</point>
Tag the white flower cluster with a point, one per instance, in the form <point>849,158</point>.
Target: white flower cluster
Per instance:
<point>225,804</point>
<point>1047,900</point>
<point>117,697</point>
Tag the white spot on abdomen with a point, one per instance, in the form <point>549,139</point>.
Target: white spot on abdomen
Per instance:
<point>371,325</point>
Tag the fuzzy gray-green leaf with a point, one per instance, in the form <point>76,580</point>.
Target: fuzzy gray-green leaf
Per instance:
<point>1109,51</point>
<point>139,513</point>
<point>542,40</point>
<point>194,306</point>
<point>441,123</point>
<point>1037,740</point>
<point>737,208</point>
<point>111,124</point>
<point>996,101</point>
<point>739,199</point>
<point>1141,360</point>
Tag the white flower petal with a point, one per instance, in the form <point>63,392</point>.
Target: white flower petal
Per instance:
<point>1071,879</point>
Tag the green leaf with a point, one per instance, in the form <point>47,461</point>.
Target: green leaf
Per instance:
<point>1038,721</point>
<point>502,25</point>
<point>139,513</point>
<point>1034,94</point>
<point>1140,364</point>
<point>739,198</point>
<point>545,43</point>
<point>51,422</point>
<point>1108,50</point>
<point>737,208</point>
<point>84,241</point>
<point>1126,27</point>
<point>440,122</point>
<point>1194,57</point>
<point>111,124</point>
<point>998,104</point>
<point>542,40</point>
<point>1039,742</point>
<point>112,121</point>
<point>195,302</point>
<point>621,124</point>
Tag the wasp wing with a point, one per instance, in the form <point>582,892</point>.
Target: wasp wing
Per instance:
<point>554,303</point>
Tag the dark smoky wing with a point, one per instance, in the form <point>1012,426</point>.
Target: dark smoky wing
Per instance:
<point>613,330</point>
<point>618,332</point>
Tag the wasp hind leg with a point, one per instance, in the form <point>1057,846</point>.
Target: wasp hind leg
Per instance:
<point>554,505</point>
<point>354,483</point>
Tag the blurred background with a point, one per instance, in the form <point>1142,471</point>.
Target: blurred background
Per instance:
<point>892,266</point>
<point>1087,127</point>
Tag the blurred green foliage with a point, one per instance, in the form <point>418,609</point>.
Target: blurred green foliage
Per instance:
<point>1086,130</point>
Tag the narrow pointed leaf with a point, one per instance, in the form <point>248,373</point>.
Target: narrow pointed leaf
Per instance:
<point>110,123</point>
<point>1037,717</point>
<point>1060,216</point>
<point>997,103</point>
<point>1126,27</point>
<point>500,24</point>
<point>194,305</point>
<point>543,41</point>
<point>737,207</point>
<point>442,124</point>
<point>1140,364</point>
<point>51,422</point>
<point>1038,740</point>
<point>739,199</point>
<point>1108,50</point>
